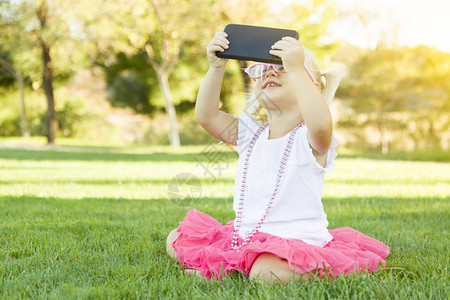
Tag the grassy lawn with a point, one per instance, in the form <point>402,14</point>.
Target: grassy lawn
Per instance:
<point>91,223</point>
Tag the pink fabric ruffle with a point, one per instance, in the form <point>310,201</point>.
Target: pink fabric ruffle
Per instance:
<point>205,244</point>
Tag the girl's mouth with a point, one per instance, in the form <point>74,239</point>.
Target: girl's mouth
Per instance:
<point>271,84</point>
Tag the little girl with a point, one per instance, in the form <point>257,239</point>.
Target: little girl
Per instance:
<point>280,230</point>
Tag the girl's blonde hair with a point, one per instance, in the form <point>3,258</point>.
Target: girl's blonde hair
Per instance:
<point>329,82</point>
<point>332,77</point>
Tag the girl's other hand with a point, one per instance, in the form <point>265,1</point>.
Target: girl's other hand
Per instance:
<point>291,53</point>
<point>218,44</point>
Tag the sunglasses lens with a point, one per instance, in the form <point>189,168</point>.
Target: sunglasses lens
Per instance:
<point>279,68</point>
<point>258,70</point>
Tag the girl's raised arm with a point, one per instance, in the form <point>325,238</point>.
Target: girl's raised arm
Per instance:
<point>218,123</point>
<point>315,111</point>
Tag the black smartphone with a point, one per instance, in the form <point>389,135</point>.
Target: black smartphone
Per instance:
<point>254,42</point>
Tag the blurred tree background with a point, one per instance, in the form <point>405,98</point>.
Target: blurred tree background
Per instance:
<point>129,71</point>
<point>399,96</point>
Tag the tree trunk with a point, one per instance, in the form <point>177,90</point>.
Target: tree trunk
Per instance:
<point>50,124</point>
<point>24,121</point>
<point>163,80</point>
<point>384,142</point>
<point>47,78</point>
<point>433,139</point>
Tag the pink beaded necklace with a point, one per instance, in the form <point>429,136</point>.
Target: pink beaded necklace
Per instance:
<point>238,221</point>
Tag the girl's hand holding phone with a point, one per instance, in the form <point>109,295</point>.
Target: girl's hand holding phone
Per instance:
<point>291,53</point>
<point>218,44</point>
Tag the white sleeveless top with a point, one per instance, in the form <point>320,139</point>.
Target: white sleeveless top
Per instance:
<point>297,211</point>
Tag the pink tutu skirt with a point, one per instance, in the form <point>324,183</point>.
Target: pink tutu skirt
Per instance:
<point>204,244</point>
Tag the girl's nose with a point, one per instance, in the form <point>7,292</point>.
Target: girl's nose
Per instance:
<point>271,71</point>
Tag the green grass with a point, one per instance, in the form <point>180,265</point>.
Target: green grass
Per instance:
<point>92,222</point>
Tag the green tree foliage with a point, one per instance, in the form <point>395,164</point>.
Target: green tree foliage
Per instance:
<point>7,77</point>
<point>311,19</point>
<point>9,72</point>
<point>161,29</point>
<point>131,83</point>
<point>39,36</point>
<point>399,89</point>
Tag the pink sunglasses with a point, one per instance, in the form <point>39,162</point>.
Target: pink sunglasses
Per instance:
<point>258,70</point>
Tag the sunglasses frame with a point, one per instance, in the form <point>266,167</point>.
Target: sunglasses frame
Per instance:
<point>247,70</point>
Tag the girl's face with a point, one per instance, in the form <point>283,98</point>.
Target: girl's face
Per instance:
<point>271,83</point>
